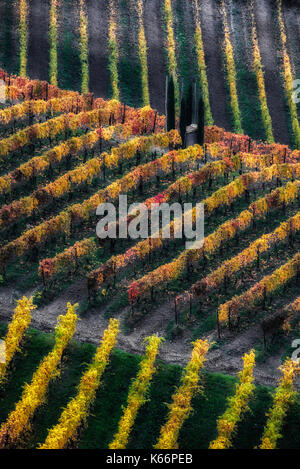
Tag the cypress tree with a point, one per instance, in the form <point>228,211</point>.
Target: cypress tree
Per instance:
<point>182,121</point>
<point>171,105</point>
<point>189,106</point>
<point>201,121</point>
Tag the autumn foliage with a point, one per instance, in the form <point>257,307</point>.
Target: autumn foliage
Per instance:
<point>137,393</point>
<point>77,410</point>
<point>237,405</point>
<point>34,394</point>
<point>16,330</point>
<point>283,398</point>
<point>180,408</point>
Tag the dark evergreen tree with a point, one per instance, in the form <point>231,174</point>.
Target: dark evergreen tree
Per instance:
<point>200,131</point>
<point>171,105</point>
<point>182,121</point>
<point>189,105</point>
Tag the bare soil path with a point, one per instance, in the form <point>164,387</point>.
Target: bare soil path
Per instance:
<point>184,27</point>
<point>38,44</point>
<point>225,359</point>
<point>129,62</point>
<point>212,38</point>
<point>8,37</point>
<point>98,51</point>
<point>274,88</point>
<point>155,36</point>
<point>292,22</point>
<point>240,23</point>
<point>291,14</point>
<point>69,68</point>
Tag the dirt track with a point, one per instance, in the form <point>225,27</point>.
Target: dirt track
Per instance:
<point>274,88</point>
<point>212,38</point>
<point>291,16</point>
<point>98,31</point>
<point>226,359</point>
<point>156,53</point>
<point>38,45</point>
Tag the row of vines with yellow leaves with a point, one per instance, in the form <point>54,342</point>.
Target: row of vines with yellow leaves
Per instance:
<point>238,405</point>
<point>181,406</point>
<point>258,68</point>
<point>53,43</point>
<point>183,185</point>
<point>142,46</point>
<point>70,257</point>
<point>231,74</point>
<point>285,232</point>
<point>84,173</point>
<point>16,330</point>
<point>171,49</point>
<point>239,307</point>
<point>288,76</point>
<point>141,250</point>
<point>283,398</point>
<point>137,394</point>
<point>228,230</point>
<point>77,410</point>
<point>136,122</point>
<point>84,46</point>
<point>63,222</point>
<point>202,65</point>
<point>34,394</point>
<point>23,36</point>
<point>113,58</point>
<point>49,129</point>
<point>41,107</point>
